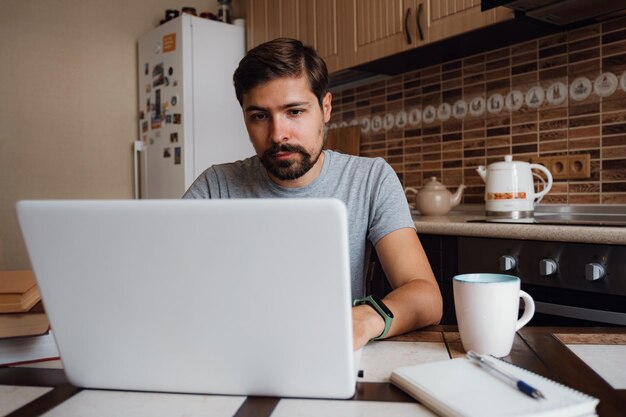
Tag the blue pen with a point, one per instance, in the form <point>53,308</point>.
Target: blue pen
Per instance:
<point>521,385</point>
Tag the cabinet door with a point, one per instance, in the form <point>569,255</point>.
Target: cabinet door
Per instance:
<point>381,28</point>
<point>314,22</point>
<point>447,18</point>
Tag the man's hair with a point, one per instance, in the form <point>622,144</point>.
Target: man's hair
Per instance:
<point>281,57</point>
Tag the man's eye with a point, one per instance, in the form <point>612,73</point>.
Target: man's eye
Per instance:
<point>296,112</point>
<point>258,116</point>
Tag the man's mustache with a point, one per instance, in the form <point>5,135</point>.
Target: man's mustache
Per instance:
<point>284,147</point>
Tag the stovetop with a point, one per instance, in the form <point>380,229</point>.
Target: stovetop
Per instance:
<point>583,215</point>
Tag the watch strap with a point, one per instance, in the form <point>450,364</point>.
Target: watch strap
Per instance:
<point>380,307</point>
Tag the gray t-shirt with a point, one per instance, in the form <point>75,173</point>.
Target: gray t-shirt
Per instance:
<point>369,188</point>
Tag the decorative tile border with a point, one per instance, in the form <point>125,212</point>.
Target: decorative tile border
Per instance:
<point>562,94</point>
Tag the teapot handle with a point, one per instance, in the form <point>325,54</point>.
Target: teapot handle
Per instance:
<point>546,187</point>
<point>410,190</point>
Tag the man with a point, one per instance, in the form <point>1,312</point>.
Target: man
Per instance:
<point>282,88</point>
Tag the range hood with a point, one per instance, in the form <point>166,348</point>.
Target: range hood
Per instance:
<point>565,13</point>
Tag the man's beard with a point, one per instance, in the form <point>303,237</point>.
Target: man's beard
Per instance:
<point>288,169</point>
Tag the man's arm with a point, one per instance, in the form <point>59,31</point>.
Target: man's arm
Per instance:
<point>415,300</point>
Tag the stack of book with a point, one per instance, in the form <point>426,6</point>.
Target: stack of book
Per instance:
<point>24,328</point>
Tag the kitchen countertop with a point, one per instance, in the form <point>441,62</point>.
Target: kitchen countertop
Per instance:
<point>455,223</point>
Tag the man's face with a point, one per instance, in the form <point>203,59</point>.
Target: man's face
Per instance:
<point>286,126</point>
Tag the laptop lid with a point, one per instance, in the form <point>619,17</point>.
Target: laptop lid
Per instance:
<point>244,297</point>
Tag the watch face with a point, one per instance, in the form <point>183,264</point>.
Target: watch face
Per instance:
<point>382,305</point>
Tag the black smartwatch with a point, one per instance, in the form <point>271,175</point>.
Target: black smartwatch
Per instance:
<point>380,307</point>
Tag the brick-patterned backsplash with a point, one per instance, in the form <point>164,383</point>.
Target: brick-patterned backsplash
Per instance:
<point>447,119</point>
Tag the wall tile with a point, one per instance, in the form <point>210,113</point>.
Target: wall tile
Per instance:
<point>451,148</point>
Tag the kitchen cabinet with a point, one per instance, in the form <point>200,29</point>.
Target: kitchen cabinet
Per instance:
<point>351,32</point>
<point>448,18</point>
<point>314,22</point>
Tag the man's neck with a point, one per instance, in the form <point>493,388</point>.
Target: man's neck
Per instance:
<point>304,180</point>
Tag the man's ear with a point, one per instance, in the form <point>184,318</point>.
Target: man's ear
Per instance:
<point>327,106</point>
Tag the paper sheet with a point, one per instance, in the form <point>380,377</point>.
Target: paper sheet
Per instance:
<point>144,404</point>
<point>380,358</point>
<point>14,397</point>
<point>337,408</point>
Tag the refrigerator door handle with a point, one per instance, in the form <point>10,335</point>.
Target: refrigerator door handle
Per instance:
<point>138,168</point>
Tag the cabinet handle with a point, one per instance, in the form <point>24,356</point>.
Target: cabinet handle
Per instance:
<point>420,9</point>
<point>406,26</point>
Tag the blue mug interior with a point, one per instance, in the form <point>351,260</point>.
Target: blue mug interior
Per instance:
<point>486,278</point>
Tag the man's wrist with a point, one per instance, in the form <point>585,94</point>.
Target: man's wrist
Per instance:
<point>373,323</point>
<point>376,308</point>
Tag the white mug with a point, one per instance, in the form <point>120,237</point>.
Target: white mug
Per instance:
<point>487,306</point>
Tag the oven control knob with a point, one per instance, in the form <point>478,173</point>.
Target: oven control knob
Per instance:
<point>507,263</point>
<point>594,272</point>
<point>547,267</point>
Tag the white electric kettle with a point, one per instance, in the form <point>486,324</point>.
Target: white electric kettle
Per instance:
<point>510,190</point>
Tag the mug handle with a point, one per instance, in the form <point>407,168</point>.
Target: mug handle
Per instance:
<point>410,190</point>
<point>529,310</point>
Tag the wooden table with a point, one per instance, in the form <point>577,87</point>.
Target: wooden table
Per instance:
<point>538,349</point>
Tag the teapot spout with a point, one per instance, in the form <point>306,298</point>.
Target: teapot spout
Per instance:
<point>455,199</point>
<point>482,171</point>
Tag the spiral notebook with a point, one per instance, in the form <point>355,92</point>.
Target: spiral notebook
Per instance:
<point>459,388</point>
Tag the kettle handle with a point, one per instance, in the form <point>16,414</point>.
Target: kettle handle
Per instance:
<point>410,190</point>
<point>546,187</point>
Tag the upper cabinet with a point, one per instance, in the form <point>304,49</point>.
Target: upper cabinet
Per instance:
<point>314,22</point>
<point>351,32</point>
<point>448,18</point>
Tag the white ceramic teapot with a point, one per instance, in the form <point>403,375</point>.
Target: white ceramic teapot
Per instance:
<point>434,199</point>
<point>509,188</point>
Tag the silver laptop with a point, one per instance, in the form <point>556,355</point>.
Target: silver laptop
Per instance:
<point>244,297</point>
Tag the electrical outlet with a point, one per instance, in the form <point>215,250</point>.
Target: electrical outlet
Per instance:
<point>579,166</point>
<point>564,167</point>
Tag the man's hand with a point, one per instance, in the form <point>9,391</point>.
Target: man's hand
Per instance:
<point>366,324</point>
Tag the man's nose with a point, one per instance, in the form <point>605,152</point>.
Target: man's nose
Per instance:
<point>278,133</point>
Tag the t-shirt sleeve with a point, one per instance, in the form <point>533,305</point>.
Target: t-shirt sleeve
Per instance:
<point>390,210</point>
<point>201,187</point>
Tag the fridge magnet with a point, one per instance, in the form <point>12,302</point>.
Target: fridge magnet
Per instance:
<point>444,111</point>
<point>605,84</point>
<point>174,137</point>
<point>477,106</point>
<point>514,100</point>
<point>401,119</point>
<point>365,125</point>
<point>167,81</point>
<point>177,155</point>
<point>495,103</point>
<point>556,94</point>
<point>169,42</point>
<point>148,88</point>
<point>388,121</point>
<point>580,89</point>
<point>167,152</point>
<point>174,100</point>
<point>170,71</point>
<point>144,126</point>
<point>175,83</point>
<point>377,123</point>
<point>158,78</point>
<point>459,111</point>
<point>535,97</point>
<point>429,114</point>
<point>168,118</point>
<point>141,115</point>
<point>146,68</point>
<point>415,117</point>
<point>177,118</point>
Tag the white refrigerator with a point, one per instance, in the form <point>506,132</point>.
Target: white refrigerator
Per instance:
<point>189,117</point>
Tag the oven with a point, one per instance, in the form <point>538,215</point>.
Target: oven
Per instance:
<point>571,283</point>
